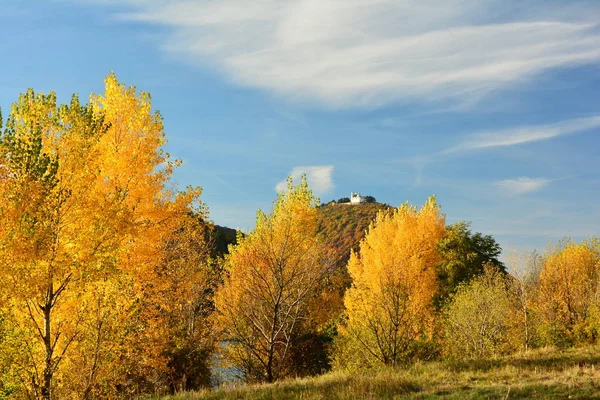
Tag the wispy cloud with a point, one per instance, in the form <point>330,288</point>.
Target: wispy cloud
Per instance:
<point>319,178</point>
<point>524,134</point>
<point>502,138</point>
<point>522,185</point>
<point>349,53</point>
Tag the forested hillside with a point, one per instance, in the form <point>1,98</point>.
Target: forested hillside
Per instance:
<point>343,225</point>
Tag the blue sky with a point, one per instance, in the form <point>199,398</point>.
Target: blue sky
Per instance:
<point>491,105</point>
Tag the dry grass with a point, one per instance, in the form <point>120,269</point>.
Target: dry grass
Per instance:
<point>541,374</point>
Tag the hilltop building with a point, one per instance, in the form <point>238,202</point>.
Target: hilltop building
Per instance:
<point>356,198</point>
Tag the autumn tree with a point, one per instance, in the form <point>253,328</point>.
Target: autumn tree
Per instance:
<point>523,285</point>
<point>86,214</point>
<point>180,301</point>
<point>39,255</point>
<point>569,293</point>
<point>478,318</point>
<point>275,277</point>
<point>390,304</point>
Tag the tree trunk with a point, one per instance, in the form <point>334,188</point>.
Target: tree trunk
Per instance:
<point>47,338</point>
<point>270,365</point>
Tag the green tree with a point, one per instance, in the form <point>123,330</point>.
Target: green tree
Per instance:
<point>464,255</point>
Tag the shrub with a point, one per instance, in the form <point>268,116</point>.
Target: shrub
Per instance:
<point>478,317</point>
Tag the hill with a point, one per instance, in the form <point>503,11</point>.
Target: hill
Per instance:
<point>573,374</point>
<point>223,237</point>
<point>344,225</point>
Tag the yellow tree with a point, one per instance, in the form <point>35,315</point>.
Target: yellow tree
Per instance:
<point>569,292</point>
<point>275,273</point>
<point>86,211</point>
<point>136,178</point>
<point>39,254</point>
<point>390,304</point>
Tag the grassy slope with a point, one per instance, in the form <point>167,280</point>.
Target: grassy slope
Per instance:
<point>571,374</point>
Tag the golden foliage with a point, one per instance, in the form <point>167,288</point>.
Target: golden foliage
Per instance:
<point>275,275</point>
<point>86,215</point>
<point>390,303</point>
<point>570,292</point>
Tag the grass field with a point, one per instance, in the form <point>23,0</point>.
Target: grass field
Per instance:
<point>572,374</point>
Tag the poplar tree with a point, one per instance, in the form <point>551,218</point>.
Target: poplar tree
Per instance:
<point>275,276</point>
<point>86,213</point>
<point>569,293</point>
<point>390,304</point>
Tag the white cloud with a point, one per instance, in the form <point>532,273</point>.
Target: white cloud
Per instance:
<point>347,53</point>
<point>522,185</point>
<point>319,178</point>
<point>525,134</point>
